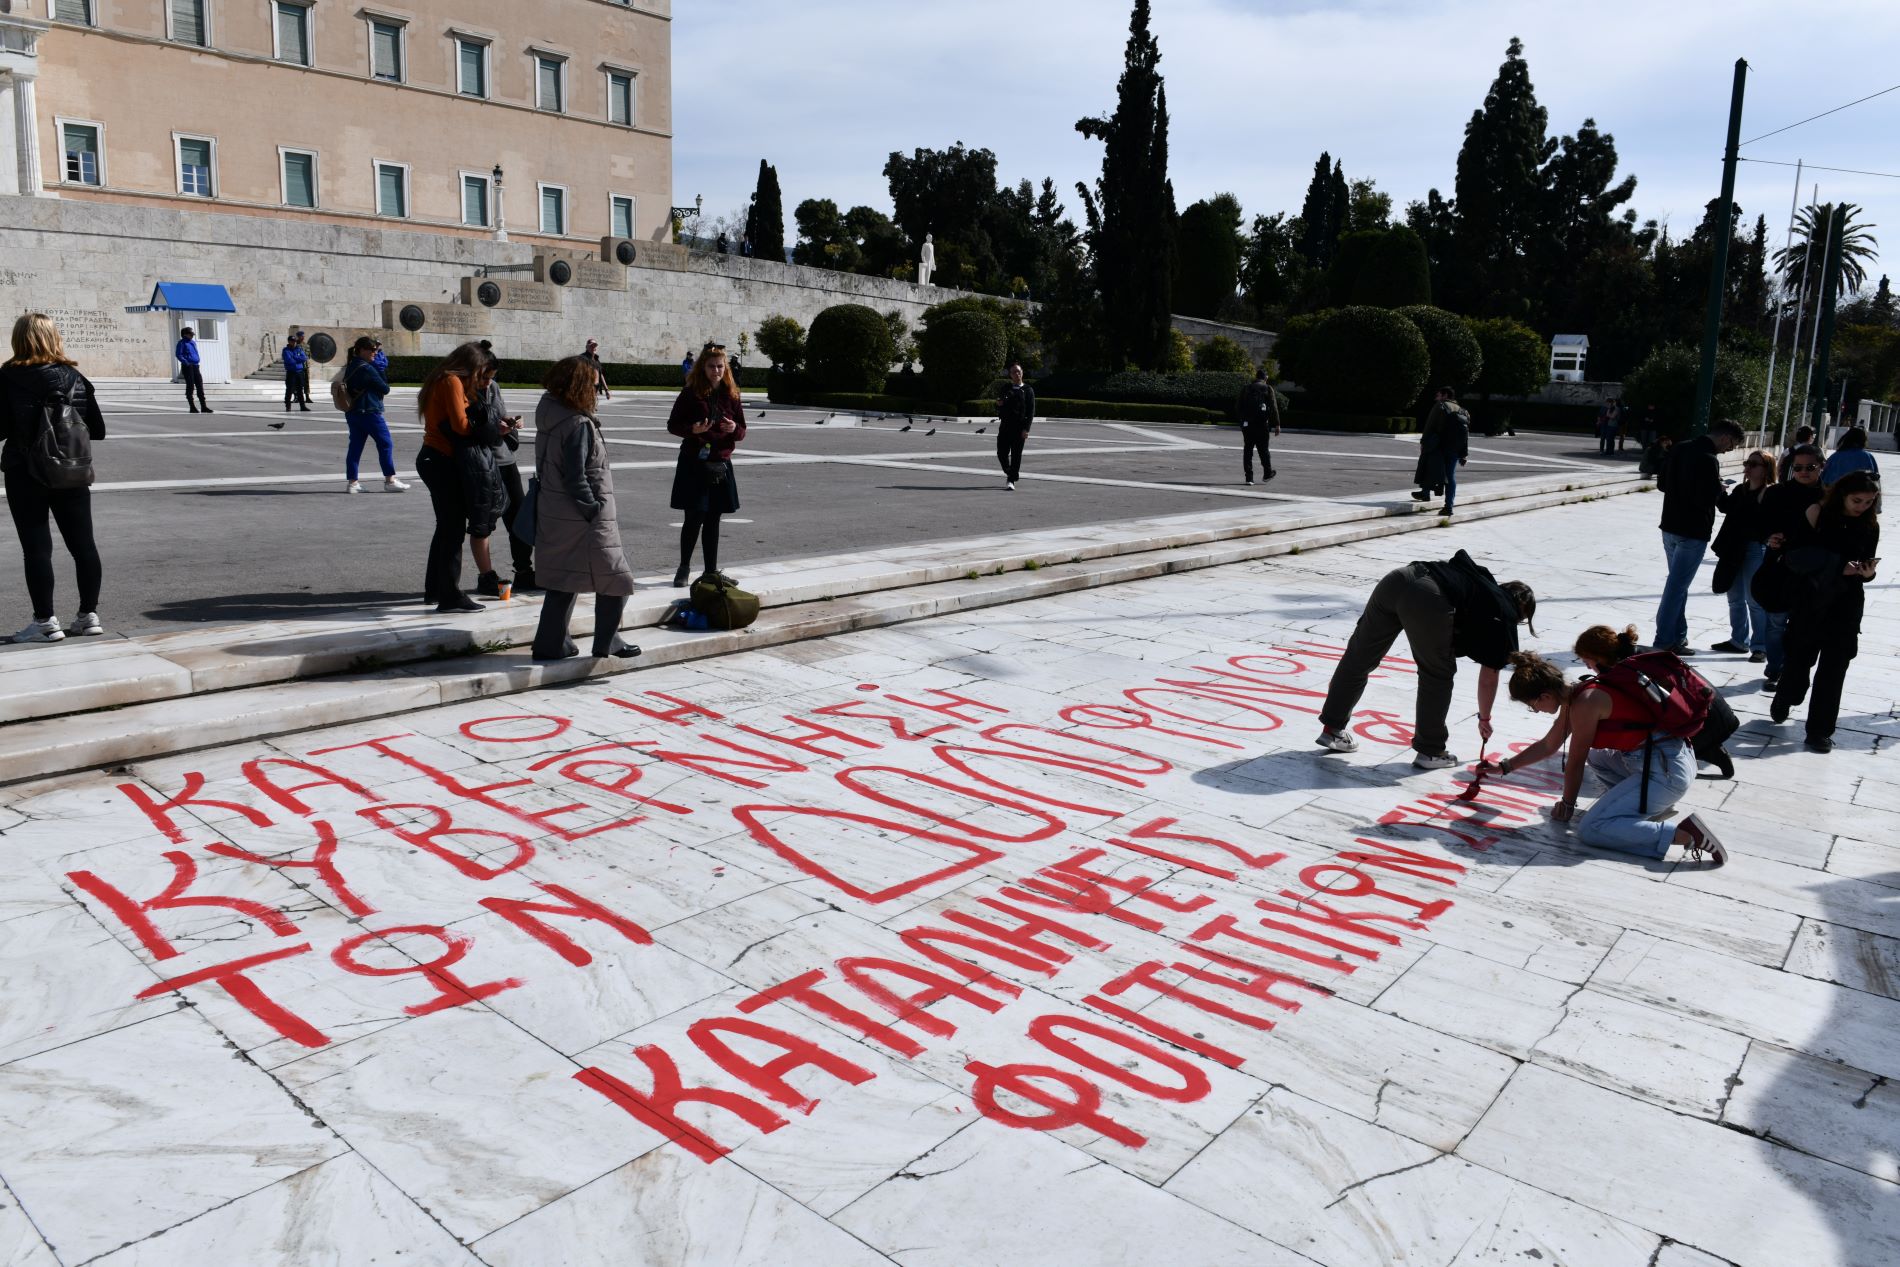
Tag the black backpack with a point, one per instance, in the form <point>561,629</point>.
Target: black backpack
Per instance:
<point>61,454</point>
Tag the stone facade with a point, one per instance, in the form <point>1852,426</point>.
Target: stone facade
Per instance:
<point>1259,343</point>
<point>85,263</point>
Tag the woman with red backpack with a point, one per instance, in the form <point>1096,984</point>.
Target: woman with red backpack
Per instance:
<point>1615,731</point>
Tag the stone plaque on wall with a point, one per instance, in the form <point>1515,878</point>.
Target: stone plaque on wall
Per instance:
<point>85,330</point>
<point>459,319</point>
<point>500,292</point>
<point>589,274</point>
<point>396,342</point>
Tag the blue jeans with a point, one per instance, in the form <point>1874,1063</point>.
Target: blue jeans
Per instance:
<point>365,427</point>
<point>1747,622</point>
<point>1672,614</point>
<point>1777,642</point>
<point>1615,821</point>
<point>1451,485</point>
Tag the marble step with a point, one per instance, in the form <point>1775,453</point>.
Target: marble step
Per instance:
<point>203,689</point>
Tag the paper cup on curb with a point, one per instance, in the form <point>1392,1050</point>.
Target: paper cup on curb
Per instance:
<point>507,590</point>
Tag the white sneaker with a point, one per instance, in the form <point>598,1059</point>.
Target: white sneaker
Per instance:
<point>1010,485</point>
<point>353,487</point>
<point>394,485</point>
<point>86,625</point>
<point>1434,761</point>
<point>47,630</point>
<point>1337,741</point>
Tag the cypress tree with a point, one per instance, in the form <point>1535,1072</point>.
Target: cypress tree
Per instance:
<point>767,216</point>
<point>1132,212</point>
<point>1317,220</point>
<point>1501,186</point>
<point>1338,201</point>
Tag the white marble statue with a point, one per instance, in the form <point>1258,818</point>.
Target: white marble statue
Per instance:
<point>927,265</point>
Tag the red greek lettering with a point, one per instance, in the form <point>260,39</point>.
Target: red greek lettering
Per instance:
<point>681,714</point>
<point>768,1079</point>
<point>1254,980</point>
<point>1142,763</point>
<point>548,727</point>
<point>257,774</point>
<point>659,1107</point>
<point>451,990</point>
<point>1167,1033</point>
<point>1028,931</point>
<point>1193,1081</point>
<point>1229,926</point>
<point>1430,819</point>
<point>802,989</point>
<point>855,710</point>
<point>957,758</point>
<point>324,864</point>
<point>1071,885</point>
<point>482,794</point>
<point>812,738</point>
<point>752,817</point>
<point>856,779</point>
<point>1157,829</point>
<point>1308,907</point>
<point>1149,976</point>
<point>1122,717</point>
<point>1393,857</point>
<point>234,979</point>
<point>136,914</point>
<point>626,774</point>
<point>1081,1107</point>
<point>522,913</point>
<point>719,766</point>
<point>861,974</point>
<point>1229,684</point>
<point>442,827</point>
<point>160,811</point>
<point>1386,728</point>
<point>949,705</point>
<point>1362,885</point>
<point>1141,696</point>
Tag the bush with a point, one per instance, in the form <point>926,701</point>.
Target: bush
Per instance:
<point>1221,355</point>
<point>783,342</point>
<point>1321,420</point>
<point>1396,272</point>
<point>1024,338</point>
<point>1456,356</point>
<point>1515,362</point>
<point>849,349</point>
<point>1365,360</point>
<point>1296,338</point>
<point>1179,356</point>
<point>1667,380</point>
<point>963,353</point>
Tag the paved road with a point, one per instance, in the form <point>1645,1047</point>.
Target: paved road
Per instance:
<point>218,519</point>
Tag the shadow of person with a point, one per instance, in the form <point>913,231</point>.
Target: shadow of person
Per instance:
<point>279,605</point>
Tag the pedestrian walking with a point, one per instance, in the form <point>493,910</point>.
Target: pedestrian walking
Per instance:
<point>365,387</point>
<point>444,405</point>
<point>709,419</point>
<point>1612,731</point>
<point>1446,610</point>
<point>42,392</point>
<point>592,357</point>
<point>1259,422</point>
<point>1015,411</point>
<point>686,368</point>
<point>1625,419</point>
<point>1443,446</point>
<point>1785,511</point>
<point>1838,555</point>
<point>577,532</point>
<point>1692,490</point>
<point>1608,427</point>
<point>189,371</point>
<point>1739,548</point>
<point>1802,435</point>
<point>296,375</point>
<point>1850,454</point>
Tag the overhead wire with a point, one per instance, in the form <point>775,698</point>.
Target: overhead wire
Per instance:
<point>1815,167</point>
<point>1810,119</point>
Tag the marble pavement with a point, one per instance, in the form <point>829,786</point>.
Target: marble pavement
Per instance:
<point>1035,935</point>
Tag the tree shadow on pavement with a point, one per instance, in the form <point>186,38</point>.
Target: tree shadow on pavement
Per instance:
<point>282,605</point>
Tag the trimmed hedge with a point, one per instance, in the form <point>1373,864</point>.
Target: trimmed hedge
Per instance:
<point>1365,360</point>
<point>1542,415</point>
<point>849,349</point>
<point>1214,392</point>
<point>1313,420</point>
<point>413,369</point>
<point>1456,358</point>
<point>963,353</point>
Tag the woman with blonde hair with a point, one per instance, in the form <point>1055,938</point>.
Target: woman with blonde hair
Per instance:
<point>576,534</point>
<point>1612,736</point>
<point>709,419</point>
<point>39,387</point>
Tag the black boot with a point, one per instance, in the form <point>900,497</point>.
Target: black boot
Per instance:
<point>608,609</point>
<point>679,577</point>
<point>488,584</point>
<point>524,579</point>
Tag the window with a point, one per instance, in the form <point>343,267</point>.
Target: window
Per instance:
<point>73,11</point>
<point>293,31</point>
<point>471,62</point>
<point>195,163</point>
<point>474,199</point>
<point>620,215</point>
<point>80,141</point>
<point>385,51</point>
<point>300,178</point>
<point>620,97</point>
<point>548,93</point>
<point>188,22</point>
<point>553,209</point>
<point>392,190</point>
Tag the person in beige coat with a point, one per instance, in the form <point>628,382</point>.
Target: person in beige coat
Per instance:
<point>576,536</point>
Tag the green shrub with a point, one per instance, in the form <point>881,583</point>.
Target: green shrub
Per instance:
<point>1290,349</point>
<point>963,354</point>
<point>1221,355</point>
<point>1179,356</point>
<point>1024,338</point>
<point>1396,272</point>
<point>1667,380</point>
<point>783,341</point>
<point>1366,360</point>
<point>1307,419</point>
<point>1456,356</point>
<point>1515,362</point>
<point>849,349</point>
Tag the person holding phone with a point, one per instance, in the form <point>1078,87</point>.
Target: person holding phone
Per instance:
<point>1839,553</point>
<point>709,419</point>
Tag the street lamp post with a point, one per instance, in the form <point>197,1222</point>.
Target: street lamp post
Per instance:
<point>501,216</point>
<point>679,214</point>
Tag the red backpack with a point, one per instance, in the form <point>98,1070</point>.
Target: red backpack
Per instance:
<point>1674,696</point>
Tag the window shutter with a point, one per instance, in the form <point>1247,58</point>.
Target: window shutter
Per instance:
<point>188,21</point>
<point>474,201</point>
<point>387,40</point>
<point>389,199</point>
<point>474,82</point>
<point>300,183</point>
<point>620,99</point>
<point>293,33</point>
<point>73,11</point>
<point>623,218</point>
<point>553,211</point>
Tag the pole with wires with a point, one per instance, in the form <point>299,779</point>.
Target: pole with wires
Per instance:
<point>1814,336</point>
<point>1800,312</point>
<point>1718,272</point>
<point>1774,341</point>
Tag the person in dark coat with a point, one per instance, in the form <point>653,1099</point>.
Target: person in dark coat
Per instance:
<point>189,373</point>
<point>1841,554</point>
<point>592,357</point>
<point>367,387</point>
<point>1739,548</point>
<point>39,371</point>
<point>1443,446</point>
<point>1784,514</point>
<point>508,467</point>
<point>1015,411</point>
<point>577,529</point>
<point>709,419</point>
<point>460,381</point>
<point>1692,490</point>
<point>296,374</point>
<point>1259,421</point>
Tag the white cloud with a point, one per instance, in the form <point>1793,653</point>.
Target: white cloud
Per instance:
<point>826,89</point>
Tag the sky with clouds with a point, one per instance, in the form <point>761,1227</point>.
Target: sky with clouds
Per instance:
<point>826,89</point>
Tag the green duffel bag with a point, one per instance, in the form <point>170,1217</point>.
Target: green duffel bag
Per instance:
<point>719,599</point>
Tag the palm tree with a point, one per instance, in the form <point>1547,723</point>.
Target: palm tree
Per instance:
<point>1808,252</point>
